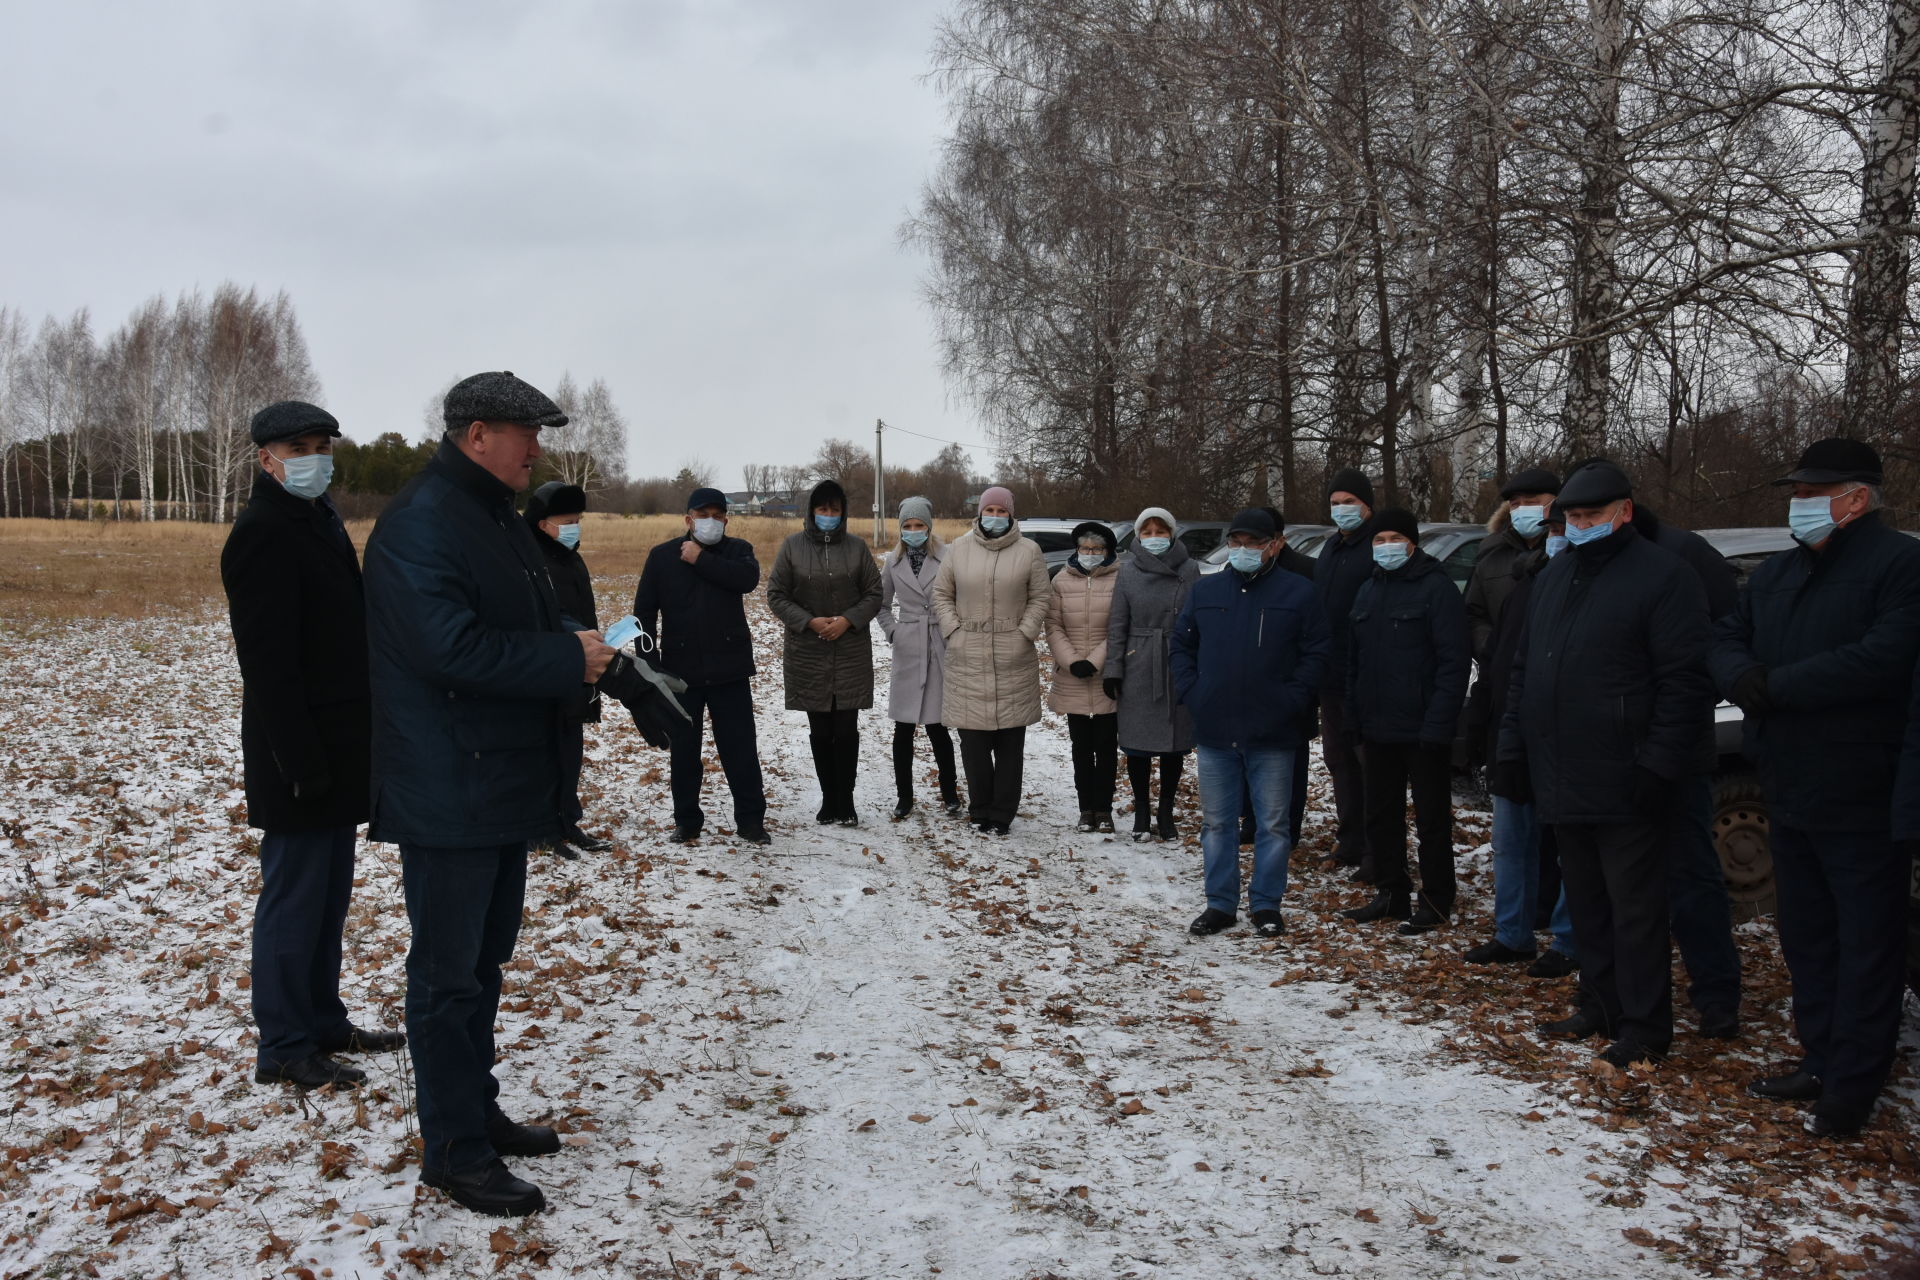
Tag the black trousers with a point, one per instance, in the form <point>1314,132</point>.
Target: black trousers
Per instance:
<point>306,881</point>
<point>942,743</point>
<point>1393,768</point>
<point>730,706</point>
<point>835,739</point>
<point>1140,776</point>
<point>464,907</point>
<point>993,759</point>
<point>573,755</point>
<point>1616,881</point>
<point>1095,743</point>
<point>1340,748</point>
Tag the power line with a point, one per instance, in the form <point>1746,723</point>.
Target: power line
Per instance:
<point>936,439</point>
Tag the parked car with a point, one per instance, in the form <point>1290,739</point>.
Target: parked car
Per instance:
<point>1201,537</point>
<point>1054,534</point>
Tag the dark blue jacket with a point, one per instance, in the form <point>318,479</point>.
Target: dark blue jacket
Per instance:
<point>702,607</point>
<point>1610,678</point>
<point>1345,564</point>
<point>1409,652</point>
<point>1247,655</point>
<point>1906,785</point>
<point>1837,630</point>
<point>474,674</point>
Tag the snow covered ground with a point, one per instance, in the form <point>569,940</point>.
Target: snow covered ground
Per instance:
<point>894,1050</point>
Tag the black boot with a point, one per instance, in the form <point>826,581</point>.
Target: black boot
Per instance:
<point>1385,906</point>
<point>824,761</point>
<point>510,1139</point>
<point>315,1071</point>
<point>491,1189</point>
<point>586,843</point>
<point>902,807</point>
<point>849,770</point>
<point>1140,776</point>
<point>1170,767</point>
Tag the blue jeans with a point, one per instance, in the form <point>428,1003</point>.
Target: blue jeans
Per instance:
<point>1227,776</point>
<point>1700,913</point>
<point>464,906</point>
<point>1516,880</point>
<point>306,880</point>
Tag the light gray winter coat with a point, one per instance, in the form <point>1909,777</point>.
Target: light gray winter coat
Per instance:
<point>1146,600</point>
<point>817,574</point>
<point>991,598</point>
<point>919,650</point>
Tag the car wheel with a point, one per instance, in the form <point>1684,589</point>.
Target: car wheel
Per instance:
<point>1742,838</point>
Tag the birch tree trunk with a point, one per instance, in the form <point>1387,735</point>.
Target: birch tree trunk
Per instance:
<point>1596,234</point>
<point>1877,293</point>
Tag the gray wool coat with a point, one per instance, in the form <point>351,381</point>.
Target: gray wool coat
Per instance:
<point>819,575</point>
<point>919,650</point>
<point>1146,600</point>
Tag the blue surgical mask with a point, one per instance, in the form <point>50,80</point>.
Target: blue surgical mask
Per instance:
<point>827,524</point>
<point>1348,516</point>
<point>308,475</point>
<point>1391,555</point>
<point>994,526</point>
<point>1527,520</point>
<point>1592,533</point>
<point>569,536</point>
<point>1811,520</point>
<point>1158,546</point>
<point>914,537</point>
<point>1247,559</point>
<point>708,530</point>
<point>1091,562</point>
<point>1556,543</point>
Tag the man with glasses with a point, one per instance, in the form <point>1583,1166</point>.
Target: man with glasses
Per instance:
<point>1248,653</point>
<point>1819,654</point>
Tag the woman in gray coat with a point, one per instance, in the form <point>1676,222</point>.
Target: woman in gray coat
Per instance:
<point>919,653</point>
<point>826,589</point>
<point>1153,583</point>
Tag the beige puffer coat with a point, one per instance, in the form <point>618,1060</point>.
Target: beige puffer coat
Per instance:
<point>1076,630</point>
<point>991,599</point>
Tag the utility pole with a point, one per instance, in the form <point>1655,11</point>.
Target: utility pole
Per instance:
<point>879,488</point>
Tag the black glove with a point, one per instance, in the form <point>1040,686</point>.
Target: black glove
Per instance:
<point>1749,691</point>
<point>312,788</point>
<point>1510,780</point>
<point>1082,668</point>
<point>1111,687</point>
<point>1650,791</point>
<point>648,694</point>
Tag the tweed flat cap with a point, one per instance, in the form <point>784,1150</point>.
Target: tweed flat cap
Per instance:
<point>499,397</point>
<point>290,418</point>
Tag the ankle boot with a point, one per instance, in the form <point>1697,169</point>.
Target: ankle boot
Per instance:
<point>1385,906</point>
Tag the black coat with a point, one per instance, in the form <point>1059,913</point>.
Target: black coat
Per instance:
<point>1906,784</point>
<point>702,608</point>
<point>1496,665</point>
<point>1837,630</point>
<point>476,678</point>
<point>573,592</point>
<point>300,631</point>
<point>1495,571</point>
<point>1717,575</point>
<point>1345,564</point>
<point>1609,679</point>
<point>1408,655</point>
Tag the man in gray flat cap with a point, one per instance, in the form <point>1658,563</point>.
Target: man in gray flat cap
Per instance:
<point>300,634</point>
<point>476,679</point>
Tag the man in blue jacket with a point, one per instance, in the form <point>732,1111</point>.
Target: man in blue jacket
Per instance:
<point>475,677</point>
<point>1248,651</point>
<point>1819,653</point>
<point>697,585</point>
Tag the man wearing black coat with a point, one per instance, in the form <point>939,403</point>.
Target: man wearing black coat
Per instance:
<point>553,513</point>
<point>692,602</point>
<point>1608,706</point>
<point>1820,654</point>
<point>476,677</point>
<point>1345,564</point>
<point>300,633</point>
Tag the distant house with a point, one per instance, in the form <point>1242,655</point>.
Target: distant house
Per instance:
<point>972,504</point>
<point>743,503</point>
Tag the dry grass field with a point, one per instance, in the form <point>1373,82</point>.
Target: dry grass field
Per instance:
<point>64,570</point>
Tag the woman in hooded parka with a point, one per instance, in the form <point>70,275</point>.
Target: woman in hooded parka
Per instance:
<point>919,653</point>
<point>826,588</point>
<point>1148,592</point>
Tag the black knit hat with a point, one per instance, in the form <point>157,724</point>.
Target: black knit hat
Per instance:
<point>555,498</point>
<point>1398,520</point>
<point>1094,529</point>
<point>290,418</point>
<point>499,397</point>
<point>1834,460</point>
<point>1352,480</point>
<point>1531,480</point>
<point>1595,485</point>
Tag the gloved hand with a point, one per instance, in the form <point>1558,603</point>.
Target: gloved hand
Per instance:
<point>1082,669</point>
<point>648,694</point>
<point>1650,791</point>
<point>1510,780</point>
<point>1111,687</point>
<point>1749,691</point>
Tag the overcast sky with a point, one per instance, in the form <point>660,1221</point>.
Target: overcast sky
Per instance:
<point>697,200</point>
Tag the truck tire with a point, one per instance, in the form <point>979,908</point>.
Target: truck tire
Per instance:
<point>1742,838</point>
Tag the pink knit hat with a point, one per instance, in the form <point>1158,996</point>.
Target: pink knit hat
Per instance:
<point>996,496</point>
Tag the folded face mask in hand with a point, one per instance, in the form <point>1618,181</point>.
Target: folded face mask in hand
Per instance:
<point>620,633</point>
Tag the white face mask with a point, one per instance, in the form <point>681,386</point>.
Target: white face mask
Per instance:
<point>308,475</point>
<point>707,531</point>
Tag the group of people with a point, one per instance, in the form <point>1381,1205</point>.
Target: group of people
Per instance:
<point>441,697</point>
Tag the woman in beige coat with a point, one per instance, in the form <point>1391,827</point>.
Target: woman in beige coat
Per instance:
<point>1077,638</point>
<point>991,601</point>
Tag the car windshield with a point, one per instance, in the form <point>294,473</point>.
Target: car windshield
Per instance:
<point>1051,539</point>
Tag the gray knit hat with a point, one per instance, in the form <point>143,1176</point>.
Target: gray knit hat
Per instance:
<point>916,509</point>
